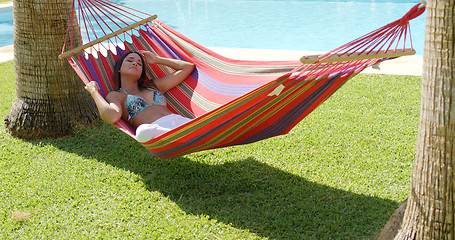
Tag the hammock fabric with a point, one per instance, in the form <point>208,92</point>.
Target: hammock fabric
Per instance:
<point>233,102</point>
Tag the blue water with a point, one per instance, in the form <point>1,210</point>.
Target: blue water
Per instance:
<point>6,26</point>
<point>270,24</point>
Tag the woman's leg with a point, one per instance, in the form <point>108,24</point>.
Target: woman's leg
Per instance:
<point>146,132</point>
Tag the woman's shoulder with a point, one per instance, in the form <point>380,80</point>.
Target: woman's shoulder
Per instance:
<point>115,95</point>
<point>154,90</point>
<point>150,89</point>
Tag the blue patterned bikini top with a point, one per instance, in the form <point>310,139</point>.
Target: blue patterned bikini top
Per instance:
<point>136,104</point>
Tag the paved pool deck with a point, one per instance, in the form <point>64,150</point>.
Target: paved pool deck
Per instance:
<point>6,4</point>
<point>406,65</point>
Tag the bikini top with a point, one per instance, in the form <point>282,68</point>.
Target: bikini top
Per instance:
<point>136,104</point>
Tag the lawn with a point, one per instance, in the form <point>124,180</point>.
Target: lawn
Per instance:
<point>339,174</point>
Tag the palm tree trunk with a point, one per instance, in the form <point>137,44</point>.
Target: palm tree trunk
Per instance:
<point>50,99</point>
<point>430,208</point>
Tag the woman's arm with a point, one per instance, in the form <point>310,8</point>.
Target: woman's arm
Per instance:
<point>110,111</point>
<point>182,70</point>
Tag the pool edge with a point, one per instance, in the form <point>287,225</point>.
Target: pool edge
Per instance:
<point>407,65</point>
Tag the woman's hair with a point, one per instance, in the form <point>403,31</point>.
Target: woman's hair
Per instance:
<point>118,65</point>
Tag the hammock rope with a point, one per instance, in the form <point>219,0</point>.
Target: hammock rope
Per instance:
<point>232,102</point>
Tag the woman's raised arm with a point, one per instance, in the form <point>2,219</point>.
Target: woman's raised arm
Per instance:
<point>182,70</point>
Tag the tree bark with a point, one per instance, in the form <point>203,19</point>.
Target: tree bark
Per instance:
<point>390,230</point>
<point>430,210</point>
<point>50,99</point>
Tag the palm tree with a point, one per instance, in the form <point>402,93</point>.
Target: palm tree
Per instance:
<point>50,99</point>
<point>430,212</point>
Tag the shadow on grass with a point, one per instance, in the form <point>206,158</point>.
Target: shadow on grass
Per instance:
<point>245,193</point>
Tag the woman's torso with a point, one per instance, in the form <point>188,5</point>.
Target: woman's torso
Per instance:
<point>145,106</point>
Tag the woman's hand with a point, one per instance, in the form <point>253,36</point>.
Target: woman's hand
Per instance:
<point>182,70</point>
<point>92,87</point>
<point>149,57</point>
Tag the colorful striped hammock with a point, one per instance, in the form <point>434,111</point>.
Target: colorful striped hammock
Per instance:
<point>232,102</point>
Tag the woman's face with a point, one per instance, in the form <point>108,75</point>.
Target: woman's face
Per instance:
<point>131,66</point>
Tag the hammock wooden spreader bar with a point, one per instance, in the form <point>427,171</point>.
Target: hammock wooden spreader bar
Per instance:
<point>309,59</point>
<point>234,102</point>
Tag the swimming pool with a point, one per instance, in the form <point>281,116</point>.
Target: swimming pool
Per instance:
<point>311,25</point>
<point>6,26</point>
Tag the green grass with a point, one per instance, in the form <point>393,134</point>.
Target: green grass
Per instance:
<point>5,1</point>
<point>339,174</point>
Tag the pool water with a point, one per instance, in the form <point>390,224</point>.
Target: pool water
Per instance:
<point>6,26</point>
<point>270,24</point>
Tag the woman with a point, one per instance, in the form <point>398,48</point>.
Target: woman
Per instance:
<point>144,108</point>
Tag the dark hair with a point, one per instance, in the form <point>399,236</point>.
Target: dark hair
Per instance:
<point>118,65</point>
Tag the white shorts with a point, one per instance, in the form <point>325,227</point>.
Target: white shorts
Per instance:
<point>147,131</point>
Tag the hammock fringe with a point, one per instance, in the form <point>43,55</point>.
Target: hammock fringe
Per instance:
<point>107,37</point>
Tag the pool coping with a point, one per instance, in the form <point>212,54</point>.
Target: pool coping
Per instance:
<point>406,65</point>
<point>6,4</point>
<point>6,53</point>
